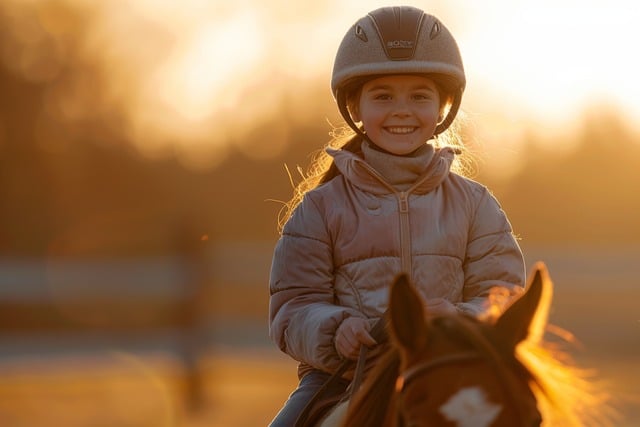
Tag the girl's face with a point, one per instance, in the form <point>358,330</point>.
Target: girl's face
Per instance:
<point>399,113</point>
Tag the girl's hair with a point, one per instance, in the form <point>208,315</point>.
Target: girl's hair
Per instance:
<point>322,168</point>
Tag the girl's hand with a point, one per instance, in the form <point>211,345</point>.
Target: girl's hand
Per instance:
<point>352,333</point>
<point>439,307</point>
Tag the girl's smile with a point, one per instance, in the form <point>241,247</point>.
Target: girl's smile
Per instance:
<point>399,113</point>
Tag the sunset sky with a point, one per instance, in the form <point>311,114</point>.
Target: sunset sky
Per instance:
<point>546,57</point>
<point>183,70</point>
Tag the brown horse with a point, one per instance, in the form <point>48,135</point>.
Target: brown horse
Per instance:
<point>461,371</point>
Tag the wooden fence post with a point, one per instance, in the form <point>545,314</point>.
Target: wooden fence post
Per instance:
<point>192,252</point>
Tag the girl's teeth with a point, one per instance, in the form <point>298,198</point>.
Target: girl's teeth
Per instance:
<point>400,129</point>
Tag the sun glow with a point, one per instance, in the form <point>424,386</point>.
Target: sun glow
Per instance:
<point>529,66</point>
<point>207,72</point>
<point>197,77</point>
<point>193,90</point>
<point>552,57</point>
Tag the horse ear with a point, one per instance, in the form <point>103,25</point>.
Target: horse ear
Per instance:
<point>527,316</point>
<point>407,318</point>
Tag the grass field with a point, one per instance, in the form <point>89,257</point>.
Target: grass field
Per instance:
<point>243,388</point>
<point>247,379</point>
<point>117,389</point>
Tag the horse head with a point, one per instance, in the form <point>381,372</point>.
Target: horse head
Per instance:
<point>464,371</point>
<point>459,371</point>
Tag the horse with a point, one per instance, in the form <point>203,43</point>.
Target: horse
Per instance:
<point>466,371</point>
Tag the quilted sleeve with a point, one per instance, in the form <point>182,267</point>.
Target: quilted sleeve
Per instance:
<point>493,256</point>
<point>302,310</point>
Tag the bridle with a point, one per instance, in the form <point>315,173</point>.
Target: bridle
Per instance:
<point>527,414</point>
<point>423,368</point>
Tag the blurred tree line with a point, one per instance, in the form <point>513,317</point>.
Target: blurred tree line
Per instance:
<point>586,196</point>
<point>80,187</point>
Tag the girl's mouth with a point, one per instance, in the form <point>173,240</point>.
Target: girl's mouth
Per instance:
<point>400,130</point>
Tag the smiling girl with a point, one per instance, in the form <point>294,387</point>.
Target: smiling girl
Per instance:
<point>385,200</point>
<point>399,112</point>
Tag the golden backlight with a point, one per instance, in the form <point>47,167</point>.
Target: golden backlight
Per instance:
<point>195,77</point>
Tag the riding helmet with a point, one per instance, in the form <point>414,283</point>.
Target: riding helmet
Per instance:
<point>398,40</point>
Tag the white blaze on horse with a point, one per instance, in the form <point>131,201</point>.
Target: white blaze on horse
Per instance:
<point>467,372</point>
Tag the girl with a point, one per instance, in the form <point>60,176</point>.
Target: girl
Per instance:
<point>389,202</point>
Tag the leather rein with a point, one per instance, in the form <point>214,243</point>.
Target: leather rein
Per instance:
<point>378,332</point>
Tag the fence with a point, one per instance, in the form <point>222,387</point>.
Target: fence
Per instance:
<point>111,302</point>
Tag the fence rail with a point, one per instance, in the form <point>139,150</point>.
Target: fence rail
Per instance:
<point>113,300</point>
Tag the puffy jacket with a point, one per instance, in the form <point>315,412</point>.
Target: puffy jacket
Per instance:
<point>350,237</point>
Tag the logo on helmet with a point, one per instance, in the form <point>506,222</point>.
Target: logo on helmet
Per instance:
<point>400,44</point>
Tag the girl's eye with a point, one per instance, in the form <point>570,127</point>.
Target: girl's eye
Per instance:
<point>383,97</point>
<point>422,97</point>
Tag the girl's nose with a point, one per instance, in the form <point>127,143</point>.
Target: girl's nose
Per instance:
<point>401,108</point>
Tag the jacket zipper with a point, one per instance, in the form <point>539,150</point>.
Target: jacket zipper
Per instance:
<point>405,233</point>
<point>405,229</point>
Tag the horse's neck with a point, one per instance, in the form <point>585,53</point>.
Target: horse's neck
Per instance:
<point>336,416</point>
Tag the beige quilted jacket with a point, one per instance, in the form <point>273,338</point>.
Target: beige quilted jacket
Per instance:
<point>350,237</point>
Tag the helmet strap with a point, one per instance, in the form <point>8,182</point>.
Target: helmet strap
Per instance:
<point>341,99</point>
<point>451,114</point>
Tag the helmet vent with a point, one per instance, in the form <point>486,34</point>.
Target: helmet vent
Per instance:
<point>360,33</point>
<point>435,30</point>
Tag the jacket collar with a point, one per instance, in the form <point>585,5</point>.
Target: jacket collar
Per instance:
<point>364,176</point>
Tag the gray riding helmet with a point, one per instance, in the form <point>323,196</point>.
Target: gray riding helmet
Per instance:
<point>398,40</point>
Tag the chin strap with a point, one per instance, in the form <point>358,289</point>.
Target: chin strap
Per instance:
<point>341,99</point>
<point>451,114</point>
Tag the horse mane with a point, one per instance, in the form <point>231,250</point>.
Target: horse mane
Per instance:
<point>566,394</point>
<point>373,403</point>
